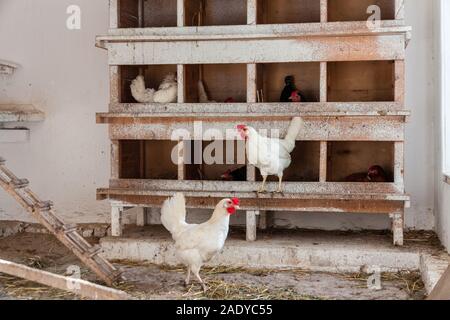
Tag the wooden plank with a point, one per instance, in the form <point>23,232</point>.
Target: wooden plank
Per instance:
<point>323,82</point>
<point>113,14</point>
<point>116,220</point>
<point>181,79</point>
<point>323,161</point>
<point>180,13</point>
<point>194,200</point>
<point>399,164</point>
<point>252,11</point>
<point>315,129</point>
<point>399,9</point>
<point>399,81</point>
<point>115,159</point>
<point>329,190</point>
<point>258,31</point>
<point>323,11</point>
<point>114,83</point>
<point>251,225</point>
<point>274,108</point>
<point>251,83</point>
<point>78,286</point>
<point>316,49</point>
<point>141,217</point>
<point>442,289</point>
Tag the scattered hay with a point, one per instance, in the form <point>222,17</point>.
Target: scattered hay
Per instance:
<point>411,282</point>
<point>24,289</point>
<point>36,262</point>
<point>221,290</point>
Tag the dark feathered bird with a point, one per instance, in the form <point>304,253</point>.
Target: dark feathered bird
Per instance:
<point>290,92</point>
<point>239,174</point>
<point>374,174</point>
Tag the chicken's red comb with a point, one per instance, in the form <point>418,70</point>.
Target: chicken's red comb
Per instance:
<point>241,127</point>
<point>235,201</point>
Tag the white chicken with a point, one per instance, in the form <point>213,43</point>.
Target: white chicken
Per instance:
<point>166,93</point>
<point>139,92</point>
<point>270,155</point>
<point>196,244</point>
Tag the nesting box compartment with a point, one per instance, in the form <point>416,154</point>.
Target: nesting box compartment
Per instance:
<point>215,13</point>
<point>153,14</point>
<point>196,158</point>
<point>352,81</point>
<point>361,81</point>
<point>347,158</point>
<point>305,165</point>
<point>153,75</point>
<point>288,11</point>
<point>221,81</point>
<point>271,76</point>
<point>147,159</point>
<point>357,10</point>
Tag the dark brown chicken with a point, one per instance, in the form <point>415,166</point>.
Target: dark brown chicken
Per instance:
<point>239,174</point>
<point>374,174</point>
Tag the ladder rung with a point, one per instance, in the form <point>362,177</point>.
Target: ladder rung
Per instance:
<point>44,205</point>
<point>93,251</point>
<point>19,183</point>
<point>67,228</point>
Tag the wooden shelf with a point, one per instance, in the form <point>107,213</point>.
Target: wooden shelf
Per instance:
<point>20,113</point>
<point>302,197</point>
<point>341,41</point>
<point>7,67</point>
<point>323,29</point>
<point>276,108</point>
<point>351,73</point>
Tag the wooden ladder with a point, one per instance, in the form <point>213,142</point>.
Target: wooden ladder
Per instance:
<point>43,212</point>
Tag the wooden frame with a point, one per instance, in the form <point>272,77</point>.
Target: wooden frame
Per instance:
<point>323,41</point>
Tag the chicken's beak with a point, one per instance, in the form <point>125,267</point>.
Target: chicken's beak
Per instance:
<point>237,207</point>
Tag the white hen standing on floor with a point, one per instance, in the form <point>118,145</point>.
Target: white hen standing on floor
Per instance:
<point>196,244</point>
<point>270,155</point>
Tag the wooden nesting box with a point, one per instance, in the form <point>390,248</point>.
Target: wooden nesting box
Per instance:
<point>351,72</point>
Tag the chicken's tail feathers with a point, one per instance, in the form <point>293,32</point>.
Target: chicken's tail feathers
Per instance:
<point>202,95</point>
<point>296,125</point>
<point>173,213</point>
<point>138,84</point>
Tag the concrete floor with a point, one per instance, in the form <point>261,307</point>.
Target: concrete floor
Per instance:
<point>315,251</point>
<point>294,264</point>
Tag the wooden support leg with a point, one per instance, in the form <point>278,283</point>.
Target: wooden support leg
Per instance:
<point>116,220</point>
<point>251,225</point>
<point>397,228</point>
<point>141,217</point>
<point>265,220</point>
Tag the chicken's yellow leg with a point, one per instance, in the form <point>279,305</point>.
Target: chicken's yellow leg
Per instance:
<point>280,179</point>
<point>188,277</point>
<point>263,185</point>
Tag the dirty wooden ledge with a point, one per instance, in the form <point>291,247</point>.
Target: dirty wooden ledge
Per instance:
<point>80,287</point>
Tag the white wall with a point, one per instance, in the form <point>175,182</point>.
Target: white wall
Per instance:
<point>66,76</point>
<point>442,194</point>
